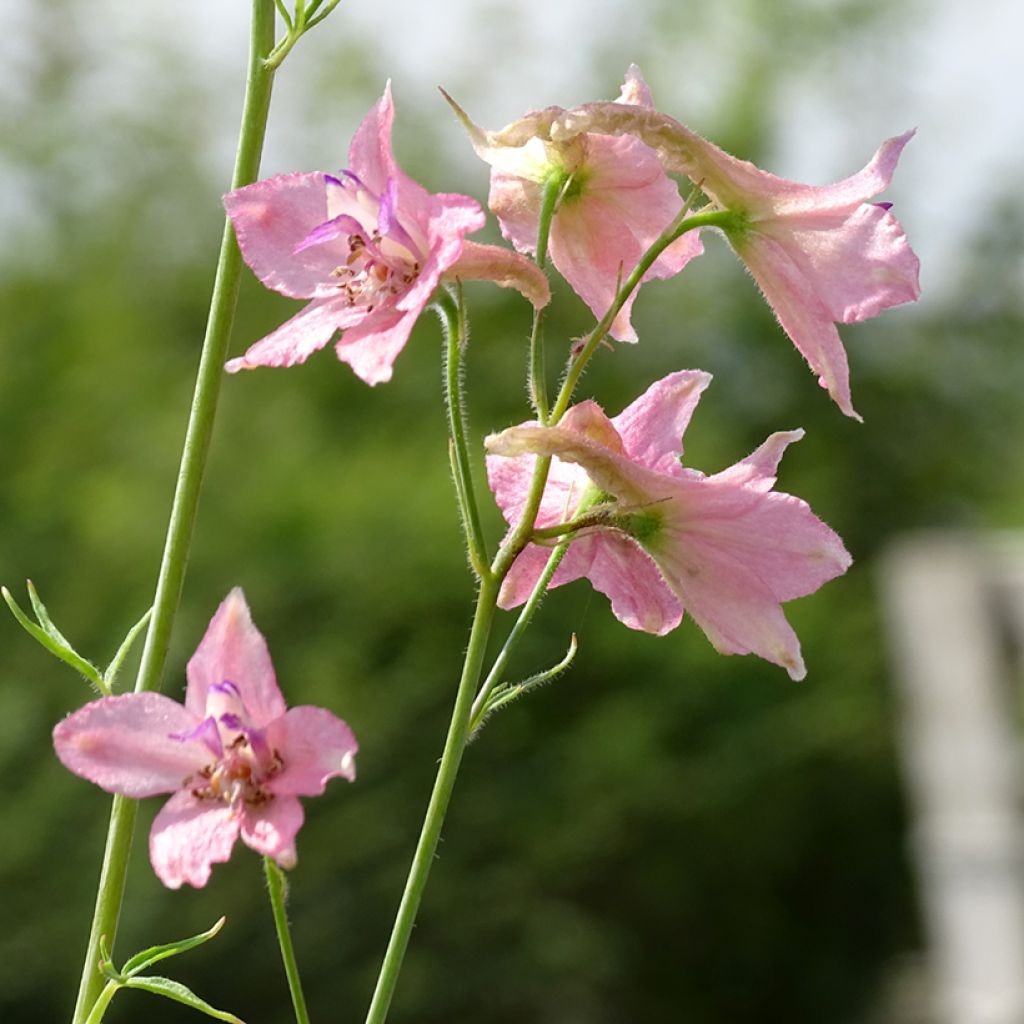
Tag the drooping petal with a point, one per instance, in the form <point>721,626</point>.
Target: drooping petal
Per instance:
<point>314,746</point>
<point>271,218</point>
<point>298,338</point>
<point>502,267</point>
<point>127,745</point>
<point>270,829</point>
<point>630,579</point>
<point>189,836</point>
<point>234,650</point>
<point>801,314</point>
<point>372,346</point>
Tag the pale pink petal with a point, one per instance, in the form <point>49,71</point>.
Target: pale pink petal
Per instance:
<point>298,338</point>
<point>271,218</point>
<point>625,202</point>
<point>737,611</point>
<point>801,313</point>
<point>758,470</point>
<point>652,427</point>
<point>859,264</point>
<point>450,218</point>
<point>774,535</point>
<point>634,89</point>
<point>855,190</point>
<point>371,158</point>
<point>372,347</point>
<point>629,578</point>
<point>189,836</point>
<point>233,650</point>
<point>127,745</point>
<point>314,746</point>
<point>504,268</point>
<point>270,829</point>
<point>515,201</point>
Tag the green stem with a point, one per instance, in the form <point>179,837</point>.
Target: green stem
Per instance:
<point>99,1008</point>
<point>553,189</point>
<point>186,496</point>
<point>679,227</point>
<point>455,745</point>
<point>517,631</point>
<point>277,887</point>
<point>453,316</point>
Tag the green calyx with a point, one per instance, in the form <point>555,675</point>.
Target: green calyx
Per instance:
<point>643,526</point>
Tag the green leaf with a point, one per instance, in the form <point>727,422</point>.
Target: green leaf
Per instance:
<point>180,994</point>
<point>114,667</point>
<point>52,639</point>
<point>154,954</point>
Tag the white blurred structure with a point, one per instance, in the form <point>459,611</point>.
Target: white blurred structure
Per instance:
<point>955,606</point>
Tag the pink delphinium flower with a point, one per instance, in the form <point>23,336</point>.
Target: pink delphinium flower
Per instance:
<point>617,201</point>
<point>664,539</point>
<point>821,255</point>
<point>368,247</point>
<point>234,757</point>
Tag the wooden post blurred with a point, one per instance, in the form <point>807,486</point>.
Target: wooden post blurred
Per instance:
<point>955,604</point>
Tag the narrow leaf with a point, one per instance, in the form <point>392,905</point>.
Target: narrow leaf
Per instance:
<point>122,652</point>
<point>180,994</point>
<point>59,648</point>
<point>44,616</point>
<point>154,954</point>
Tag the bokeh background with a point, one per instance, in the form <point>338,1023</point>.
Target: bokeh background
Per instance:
<point>661,835</point>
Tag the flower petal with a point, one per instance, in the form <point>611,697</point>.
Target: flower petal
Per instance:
<point>371,158</point>
<point>188,837</point>
<point>126,744</point>
<point>652,427</point>
<point>271,218</point>
<point>233,650</point>
<point>315,746</point>
<point>630,579</point>
<point>800,312</point>
<point>372,346</point>
<point>270,829</point>
<point>502,267</point>
<point>298,338</point>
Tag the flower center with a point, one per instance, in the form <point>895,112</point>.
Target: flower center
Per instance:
<point>239,776</point>
<point>377,269</point>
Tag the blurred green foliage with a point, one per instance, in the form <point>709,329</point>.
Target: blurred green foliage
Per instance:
<point>663,834</point>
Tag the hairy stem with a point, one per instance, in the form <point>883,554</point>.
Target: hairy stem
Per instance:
<point>277,888</point>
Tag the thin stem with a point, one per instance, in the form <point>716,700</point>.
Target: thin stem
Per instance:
<point>517,631</point>
<point>277,887</point>
<point>186,496</point>
<point>99,1008</point>
<point>454,747</point>
<point>553,189</point>
<point>453,315</point>
<point>683,223</point>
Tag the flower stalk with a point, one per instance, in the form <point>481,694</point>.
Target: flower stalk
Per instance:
<point>113,873</point>
<point>277,889</point>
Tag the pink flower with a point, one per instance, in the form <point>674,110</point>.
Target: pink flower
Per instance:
<point>367,247</point>
<point>234,757</point>
<point>662,539</point>
<point>821,255</point>
<point>617,201</point>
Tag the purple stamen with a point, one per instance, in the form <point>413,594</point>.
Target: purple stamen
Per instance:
<point>343,224</point>
<point>206,732</point>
